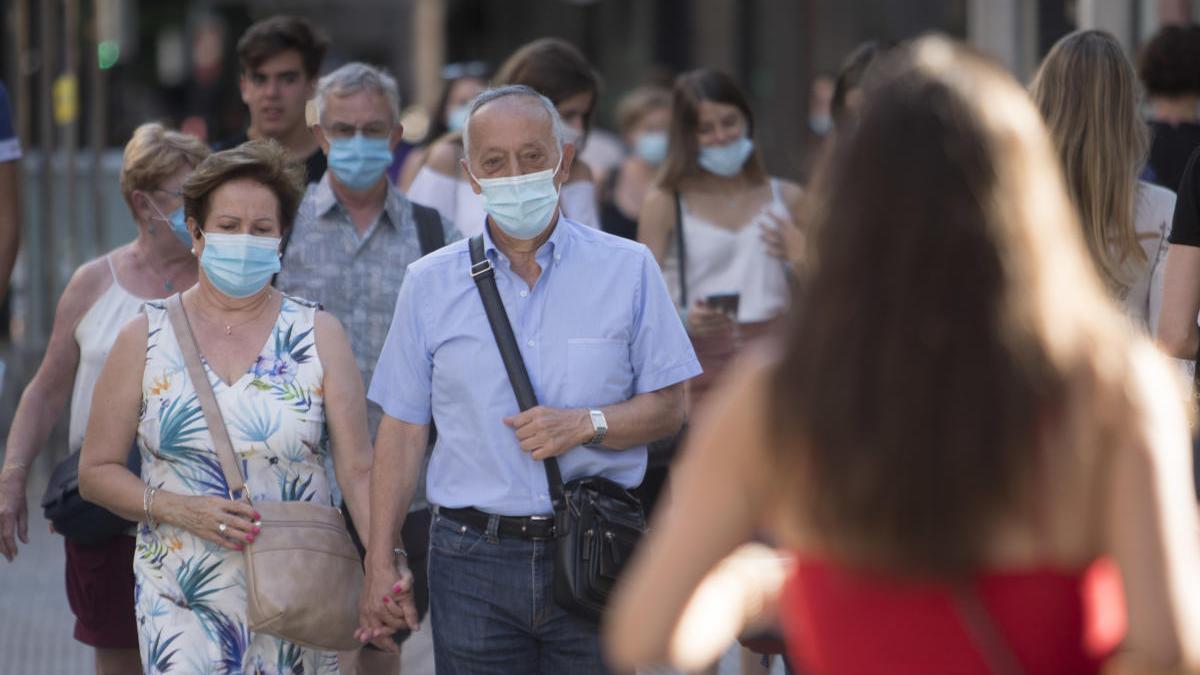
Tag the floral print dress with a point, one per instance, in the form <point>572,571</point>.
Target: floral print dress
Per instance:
<point>190,594</point>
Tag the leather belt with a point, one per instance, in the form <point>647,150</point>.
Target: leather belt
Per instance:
<point>523,527</point>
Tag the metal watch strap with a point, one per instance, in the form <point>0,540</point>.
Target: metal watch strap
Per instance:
<point>485,280</point>
<point>599,431</point>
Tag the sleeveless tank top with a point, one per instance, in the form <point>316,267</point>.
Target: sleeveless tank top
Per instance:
<point>721,260</point>
<point>95,334</point>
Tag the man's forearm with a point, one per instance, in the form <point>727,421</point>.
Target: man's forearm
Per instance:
<point>399,451</point>
<point>644,418</point>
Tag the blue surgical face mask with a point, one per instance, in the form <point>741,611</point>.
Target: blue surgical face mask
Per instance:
<point>239,265</point>
<point>821,125</point>
<point>359,162</point>
<point>651,146</point>
<point>573,136</point>
<point>178,225</point>
<point>726,160</point>
<point>521,205</point>
<point>456,119</point>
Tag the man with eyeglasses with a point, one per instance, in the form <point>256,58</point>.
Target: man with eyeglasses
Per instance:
<point>352,241</point>
<point>280,57</point>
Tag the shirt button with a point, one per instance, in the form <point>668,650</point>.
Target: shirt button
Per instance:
<point>530,343</point>
<point>524,294</point>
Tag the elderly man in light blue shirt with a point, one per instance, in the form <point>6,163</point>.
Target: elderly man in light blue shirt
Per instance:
<point>598,333</point>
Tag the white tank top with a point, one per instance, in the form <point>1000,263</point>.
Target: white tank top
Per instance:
<point>457,202</point>
<point>95,334</point>
<point>721,260</point>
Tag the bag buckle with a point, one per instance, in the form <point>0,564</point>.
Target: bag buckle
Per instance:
<point>481,268</point>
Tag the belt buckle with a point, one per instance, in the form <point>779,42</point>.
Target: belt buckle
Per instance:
<point>540,519</point>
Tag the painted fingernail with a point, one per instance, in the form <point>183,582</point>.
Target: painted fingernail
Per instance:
<point>397,588</point>
<point>250,539</point>
<point>257,529</point>
<point>240,547</point>
<point>387,600</point>
<point>257,515</point>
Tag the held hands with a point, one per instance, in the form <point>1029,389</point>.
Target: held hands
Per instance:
<point>14,518</point>
<point>387,605</point>
<point>549,432</point>
<point>227,522</point>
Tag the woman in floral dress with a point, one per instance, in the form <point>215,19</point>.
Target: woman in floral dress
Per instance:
<point>281,370</point>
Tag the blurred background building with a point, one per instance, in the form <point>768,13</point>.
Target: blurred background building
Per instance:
<point>84,73</point>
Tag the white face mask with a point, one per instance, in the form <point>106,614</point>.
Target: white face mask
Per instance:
<point>522,205</point>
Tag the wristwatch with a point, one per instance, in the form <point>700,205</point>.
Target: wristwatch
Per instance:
<point>599,427</point>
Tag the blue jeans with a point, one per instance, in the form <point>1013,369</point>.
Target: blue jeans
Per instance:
<point>492,607</point>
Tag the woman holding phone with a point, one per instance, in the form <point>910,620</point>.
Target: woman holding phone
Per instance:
<point>720,227</point>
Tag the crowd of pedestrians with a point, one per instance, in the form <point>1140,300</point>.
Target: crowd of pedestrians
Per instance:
<point>916,416</point>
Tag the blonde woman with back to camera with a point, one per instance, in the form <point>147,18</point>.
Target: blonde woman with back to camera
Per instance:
<point>1088,92</point>
<point>975,463</point>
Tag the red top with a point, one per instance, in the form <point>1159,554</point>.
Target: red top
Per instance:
<point>851,623</point>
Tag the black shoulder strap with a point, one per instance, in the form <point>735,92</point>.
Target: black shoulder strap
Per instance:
<point>485,280</point>
<point>682,251</point>
<point>429,228</point>
<point>984,633</point>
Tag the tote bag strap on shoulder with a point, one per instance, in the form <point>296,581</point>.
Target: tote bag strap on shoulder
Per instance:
<point>204,394</point>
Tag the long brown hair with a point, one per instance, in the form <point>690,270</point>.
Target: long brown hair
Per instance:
<point>1088,92</point>
<point>683,151</point>
<point>947,312</point>
<point>555,69</point>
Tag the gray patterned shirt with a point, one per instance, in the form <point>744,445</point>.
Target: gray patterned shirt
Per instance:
<point>354,277</point>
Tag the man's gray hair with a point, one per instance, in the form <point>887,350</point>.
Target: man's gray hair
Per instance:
<point>556,123</point>
<point>355,77</point>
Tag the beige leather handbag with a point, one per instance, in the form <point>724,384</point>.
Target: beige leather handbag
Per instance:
<point>303,574</point>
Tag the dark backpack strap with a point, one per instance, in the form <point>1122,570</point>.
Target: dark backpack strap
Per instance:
<point>485,280</point>
<point>682,251</point>
<point>429,228</point>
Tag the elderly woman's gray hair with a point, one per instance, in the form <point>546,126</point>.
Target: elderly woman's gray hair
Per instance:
<point>560,134</point>
<point>353,78</point>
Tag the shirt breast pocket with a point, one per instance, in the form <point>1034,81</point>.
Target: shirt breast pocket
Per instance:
<point>598,371</point>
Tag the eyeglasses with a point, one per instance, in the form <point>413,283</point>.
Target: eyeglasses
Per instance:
<point>343,131</point>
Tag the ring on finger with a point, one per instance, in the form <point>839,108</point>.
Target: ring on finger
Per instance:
<point>222,527</point>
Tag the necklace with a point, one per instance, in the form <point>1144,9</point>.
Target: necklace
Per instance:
<point>230,326</point>
<point>168,284</point>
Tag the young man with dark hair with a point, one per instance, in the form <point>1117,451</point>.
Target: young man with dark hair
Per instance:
<point>280,59</point>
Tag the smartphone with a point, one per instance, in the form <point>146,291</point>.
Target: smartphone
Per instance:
<point>726,303</point>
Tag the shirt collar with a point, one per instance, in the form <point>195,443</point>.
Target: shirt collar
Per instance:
<point>394,204</point>
<point>556,245</point>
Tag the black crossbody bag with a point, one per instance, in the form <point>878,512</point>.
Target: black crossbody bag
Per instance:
<point>597,522</point>
<point>75,518</point>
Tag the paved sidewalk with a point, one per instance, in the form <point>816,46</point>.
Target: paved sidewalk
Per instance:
<point>35,621</point>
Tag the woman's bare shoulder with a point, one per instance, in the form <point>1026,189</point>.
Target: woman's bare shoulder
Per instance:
<point>444,154</point>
